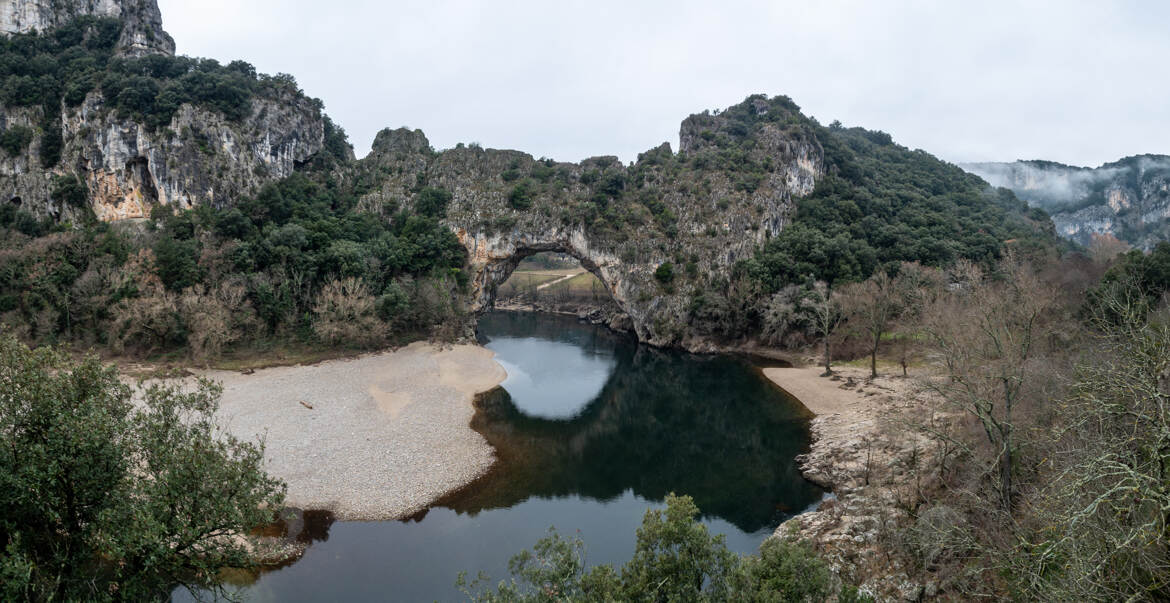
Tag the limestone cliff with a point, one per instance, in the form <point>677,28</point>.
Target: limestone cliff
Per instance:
<point>192,133</point>
<point>202,158</point>
<point>143,32</point>
<point>1129,199</point>
<point>683,222</point>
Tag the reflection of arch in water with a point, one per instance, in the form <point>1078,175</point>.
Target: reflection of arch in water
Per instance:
<point>710,427</point>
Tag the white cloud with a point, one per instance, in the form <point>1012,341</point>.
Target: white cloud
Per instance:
<point>1078,82</point>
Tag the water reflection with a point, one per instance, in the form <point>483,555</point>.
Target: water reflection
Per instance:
<point>663,421</point>
<point>630,425</point>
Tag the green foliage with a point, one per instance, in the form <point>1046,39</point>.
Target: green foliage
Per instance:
<point>103,499</point>
<point>882,204</point>
<point>675,559</point>
<point>52,142</point>
<point>178,262</point>
<point>787,570</point>
<point>15,140</point>
<point>269,258</point>
<point>432,202</point>
<point>77,58</point>
<point>664,273</point>
<point>71,189</point>
<point>1144,277</point>
<point>521,195</point>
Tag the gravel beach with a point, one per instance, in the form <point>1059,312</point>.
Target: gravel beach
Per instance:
<point>371,438</point>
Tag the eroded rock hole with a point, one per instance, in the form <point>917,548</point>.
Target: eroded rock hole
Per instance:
<point>555,282</point>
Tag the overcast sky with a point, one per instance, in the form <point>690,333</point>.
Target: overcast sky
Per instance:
<point>1077,82</point>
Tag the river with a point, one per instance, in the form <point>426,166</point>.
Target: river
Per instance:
<point>590,429</point>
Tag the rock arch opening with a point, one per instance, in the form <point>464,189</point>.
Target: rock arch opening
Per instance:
<point>553,279</point>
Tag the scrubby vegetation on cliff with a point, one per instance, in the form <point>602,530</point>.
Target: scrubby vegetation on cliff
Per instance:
<point>60,68</point>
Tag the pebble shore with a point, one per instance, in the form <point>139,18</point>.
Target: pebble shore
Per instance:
<point>371,438</point>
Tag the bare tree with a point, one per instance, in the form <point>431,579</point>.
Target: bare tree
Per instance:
<point>344,312</point>
<point>1109,494</point>
<point>824,311</point>
<point>916,287</point>
<point>987,334</point>
<point>871,305</point>
<point>1104,248</point>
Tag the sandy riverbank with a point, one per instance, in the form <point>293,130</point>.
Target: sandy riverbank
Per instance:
<point>371,438</point>
<point>869,451</point>
<point>846,414</point>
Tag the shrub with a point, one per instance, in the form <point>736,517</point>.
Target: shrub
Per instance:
<point>15,140</point>
<point>675,559</point>
<point>70,189</point>
<point>665,273</point>
<point>520,198</point>
<point>432,202</point>
<point>131,498</point>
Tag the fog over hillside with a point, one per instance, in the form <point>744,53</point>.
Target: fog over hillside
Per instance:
<point>1128,198</point>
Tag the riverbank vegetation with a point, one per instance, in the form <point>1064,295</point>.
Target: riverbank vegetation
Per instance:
<point>114,493</point>
<point>675,559</point>
<point>292,264</point>
<point>1043,389</point>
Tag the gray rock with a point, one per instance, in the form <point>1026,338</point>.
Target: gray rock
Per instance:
<point>142,33</point>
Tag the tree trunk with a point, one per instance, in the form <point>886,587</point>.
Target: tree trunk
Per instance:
<point>873,357</point>
<point>1005,478</point>
<point>828,359</point>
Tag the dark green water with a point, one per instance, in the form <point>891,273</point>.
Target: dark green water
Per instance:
<point>590,429</point>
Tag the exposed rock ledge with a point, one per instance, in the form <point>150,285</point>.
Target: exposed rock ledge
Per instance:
<point>865,452</point>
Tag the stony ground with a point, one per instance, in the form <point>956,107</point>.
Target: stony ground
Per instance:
<point>371,438</point>
<point>868,450</point>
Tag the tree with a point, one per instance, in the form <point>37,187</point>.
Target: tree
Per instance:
<point>824,312</point>
<point>1107,498</point>
<point>988,333</point>
<point>102,498</point>
<point>346,313</point>
<point>872,304</point>
<point>675,559</point>
<point>916,287</point>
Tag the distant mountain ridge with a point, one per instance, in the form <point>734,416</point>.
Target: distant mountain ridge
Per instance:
<point>1128,198</point>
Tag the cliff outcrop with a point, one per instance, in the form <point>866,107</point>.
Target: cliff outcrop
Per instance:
<point>1129,199</point>
<point>658,232</point>
<point>146,131</point>
<point>143,32</point>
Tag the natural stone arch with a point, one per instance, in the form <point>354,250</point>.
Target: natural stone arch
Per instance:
<point>698,209</point>
<point>493,259</point>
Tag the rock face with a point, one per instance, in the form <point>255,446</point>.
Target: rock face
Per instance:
<point>143,32</point>
<point>200,157</point>
<point>1129,199</point>
<point>658,233</point>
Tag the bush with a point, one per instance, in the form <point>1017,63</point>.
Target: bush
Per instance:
<point>788,570</point>
<point>131,499</point>
<point>520,198</point>
<point>665,273</point>
<point>15,140</point>
<point>432,202</point>
<point>70,189</point>
<point>675,559</point>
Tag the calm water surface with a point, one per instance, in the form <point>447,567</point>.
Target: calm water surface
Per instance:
<point>590,429</point>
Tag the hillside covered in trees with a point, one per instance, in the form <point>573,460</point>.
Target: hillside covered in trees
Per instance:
<point>180,210</point>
